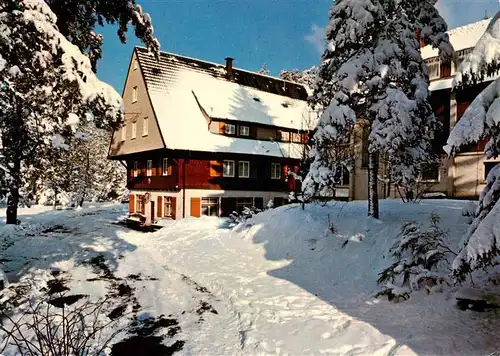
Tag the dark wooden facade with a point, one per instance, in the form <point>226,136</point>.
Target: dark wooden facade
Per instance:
<point>190,170</point>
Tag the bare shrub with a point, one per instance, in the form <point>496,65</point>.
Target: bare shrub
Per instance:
<point>61,326</point>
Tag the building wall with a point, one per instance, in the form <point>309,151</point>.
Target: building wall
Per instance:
<point>190,194</point>
<point>203,173</point>
<point>136,111</point>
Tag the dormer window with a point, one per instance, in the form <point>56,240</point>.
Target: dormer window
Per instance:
<point>229,129</point>
<point>244,131</point>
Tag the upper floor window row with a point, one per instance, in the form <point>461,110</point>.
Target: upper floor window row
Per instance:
<point>260,133</point>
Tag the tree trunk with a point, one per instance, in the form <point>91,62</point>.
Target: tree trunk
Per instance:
<point>13,200</point>
<point>373,210</point>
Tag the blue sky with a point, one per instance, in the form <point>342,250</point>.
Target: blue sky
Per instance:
<point>283,34</point>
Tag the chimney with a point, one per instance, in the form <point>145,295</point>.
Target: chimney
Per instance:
<point>229,68</point>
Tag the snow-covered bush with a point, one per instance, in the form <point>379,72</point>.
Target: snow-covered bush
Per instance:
<point>246,214</point>
<point>419,255</point>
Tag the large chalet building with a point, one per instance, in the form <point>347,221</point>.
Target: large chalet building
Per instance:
<point>201,138</point>
<point>462,176</point>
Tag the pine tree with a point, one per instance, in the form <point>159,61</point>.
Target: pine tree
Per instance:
<point>77,20</point>
<point>306,77</point>
<point>372,75</point>
<point>46,86</point>
<point>481,244</point>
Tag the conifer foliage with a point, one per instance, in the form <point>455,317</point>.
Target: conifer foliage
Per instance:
<point>372,76</point>
<point>47,91</point>
<point>77,20</point>
<point>481,244</point>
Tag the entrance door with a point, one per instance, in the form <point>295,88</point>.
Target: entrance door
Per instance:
<point>152,211</point>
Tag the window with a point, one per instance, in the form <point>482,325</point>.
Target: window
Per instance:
<point>124,132</point>
<point>296,137</point>
<point>134,129</point>
<point>430,173</point>
<point>135,65</point>
<point>228,169</point>
<point>488,166</point>
<point>244,131</point>
<point>275,171</point>
<point>210,206</point>
<point>139,205</point>
<point>229,129</point>
<point>285,136</point>
<point>149,167</point>
<point>433,69</point>
<point>167,206</point>
<point>165,167</point>
<point>145,126</point>
<point>243,169</point>
<point>134,94</point>
<point>136,168</point>
<point>241,203</point>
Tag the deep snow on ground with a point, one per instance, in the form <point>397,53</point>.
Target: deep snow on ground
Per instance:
<point>280,283</point>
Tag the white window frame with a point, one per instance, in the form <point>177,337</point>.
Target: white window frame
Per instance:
<point>241,166</point>
<point>273,171</point>
<point>296,137</point>
<point>134,130</point>
<point>231,162</point>
<point>211,203</point>
<point>124,132</point>
<point>232,130</point>
<point>167,201</point>
<point>145,126</point>
<point>244,130</point>
<point>136,168</point>
<point>435,62</point>
<point>134,94</point>
<point>285,136</point>
<point>139,201</point>
<point>149,168</point>
<point>165,166</point>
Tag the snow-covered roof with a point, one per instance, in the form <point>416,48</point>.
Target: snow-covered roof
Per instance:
<point>461,37</point>
<point>178,86</point>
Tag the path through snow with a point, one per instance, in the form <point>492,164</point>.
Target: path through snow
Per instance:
<point>282,283</point>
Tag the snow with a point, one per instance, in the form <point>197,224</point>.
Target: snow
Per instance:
<point>486,50</point>
<point>461,38</point>
<point>479,120</point>
<point>469,293</point>
<point>183,93</point>
<point>280,282</point>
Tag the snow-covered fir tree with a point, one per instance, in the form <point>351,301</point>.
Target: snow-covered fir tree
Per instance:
<point>82,171</point>
<point>372,75</point>
<point>306,77</point>
<point>46,87</point>
<point>77,20</point>
<point>481,244</point>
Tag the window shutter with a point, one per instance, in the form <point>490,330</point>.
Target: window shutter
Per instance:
<point>160,207</point>
<point>174,209</point>
<point>196,207</point>
<point>159,170</point>
<point>215,168</point>
<point>284,172</point>
<point>222,127</point>
<point>131,203</point>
